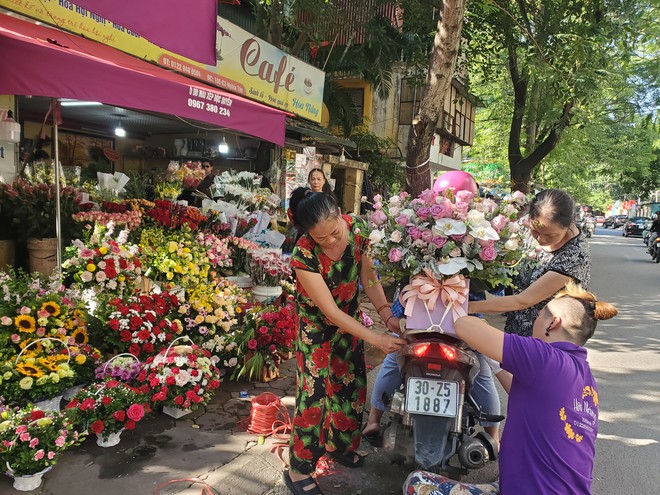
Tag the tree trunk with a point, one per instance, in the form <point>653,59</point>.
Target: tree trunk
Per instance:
<point>438,81</point>
<point>275,23</point>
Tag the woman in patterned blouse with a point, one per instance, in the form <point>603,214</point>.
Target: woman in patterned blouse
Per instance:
<point>330,263</point>
<point>564,256</point>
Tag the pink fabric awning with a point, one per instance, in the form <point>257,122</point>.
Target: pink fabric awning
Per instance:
<point>41,61</point>
<point>180,26</point>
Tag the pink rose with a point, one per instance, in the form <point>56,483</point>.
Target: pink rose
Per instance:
<point>395,255</point>
<point>41,331</point>
<point>135,412</point>
<point>25,437</point>
<point>485,244</point>
<point>252,344</point>
<point>25,310</point>
<point>423,212</point>
<point>6,320</point>
<point>427,235</point>
<point>414,233</point>
<point>51,454</point>
<point>426,195</point>
<point>439,241</point>
<point>60,441</point>
<point>15,338</point>
<point>378,206</point>
<point>39,455</point>
<point>499,222</point>
<point>42,313</point>
<point>378,217</point>
<point>34,442</point>
<point>402,220</point>
<point>442,210</point>
<point>488,254</point>
<point>404,195</point>
<point>377,198</point>
<point>461,208</point>
<point>464,196</point>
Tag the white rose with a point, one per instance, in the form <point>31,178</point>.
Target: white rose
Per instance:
<point>395,200</point>
<point>182,378</point>
<point>396,236</point>
<point>395,211</point>
<point>475,217</point>
<point>513,227</point>
<point>376,236</point>
<point>511,244</point>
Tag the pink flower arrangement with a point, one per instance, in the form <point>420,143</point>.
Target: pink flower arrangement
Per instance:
<point>447,234</point>
<point>268,268</point>
<point>130,219</point>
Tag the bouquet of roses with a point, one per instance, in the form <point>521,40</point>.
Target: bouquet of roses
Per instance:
<point>268,334</point>
<point>32,440</point>
<point>240,248</point>
<point>110,268</point>
<point>175,216</point>
<point>268,268</point>
<point>190,174</point>
<point>141,325</point>
<point>181,376</point>
<point>130,219</point>
<point>108,407</point>
<point>447,234</point>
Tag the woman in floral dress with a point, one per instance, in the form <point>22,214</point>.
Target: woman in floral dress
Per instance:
<point>330,263</point>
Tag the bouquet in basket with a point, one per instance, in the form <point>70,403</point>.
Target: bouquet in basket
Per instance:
<point>440,240</point>
<point>181,376</point>
<point>32,440</point>
<point>267,335</point>
<point>108,407</point>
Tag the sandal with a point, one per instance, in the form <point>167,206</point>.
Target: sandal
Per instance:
<point>301,487</point>
<point>349,459</point>
<point>374,438</point>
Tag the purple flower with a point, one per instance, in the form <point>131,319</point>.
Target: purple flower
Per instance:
<point>395,255</point>
<point>423,212</point>
<point>402,220</point>
<point>427,236</point>
<point>440,240</point>
<point>488,254</point>
<point>426,195</point>
<point>414,232</point>
<point>378,217</point>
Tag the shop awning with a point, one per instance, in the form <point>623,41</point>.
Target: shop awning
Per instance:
<point>41,61</point>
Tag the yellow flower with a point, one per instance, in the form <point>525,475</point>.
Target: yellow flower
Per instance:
<point>25,323</point>
<point>26,383</point>
<point>52,307</point>
<point>5,426</point>
<point>55,378</point>
<point>42,322</point>
<point>80,336</point>
<point>44,422</point>
<point>78,314</point>
<point>42,380</point>
<point>121,278</point>
<point>238,310</point>
<point>80,359</point>
<point>49,363</point>
<point>7,375</point>
<point>169,275</point>
<point>91,267</point>
<point>199,319</point>
<point>103,250</point>
<point>28,369</point>
<point>186,250</point>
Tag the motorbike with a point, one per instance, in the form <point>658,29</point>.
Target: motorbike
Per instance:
<point>654,249</point>
<point>433,414</point>
<point>588,227</point>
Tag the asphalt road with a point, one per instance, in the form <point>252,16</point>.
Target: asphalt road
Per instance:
<point>625,357</point>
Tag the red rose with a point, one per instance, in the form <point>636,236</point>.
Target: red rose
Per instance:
<point>36,414</point>
<point>143,335</point>
<point>150,317</point>
<point>148,348</point>
<point>87,404</point>
<point>170,380</point>
<point>106,400</point>
<point>125,336</point>
<point>134,349</point>
<point>97,426</point>
<point>135,412</point>
<point>110,272</point>
<point>130,424</point>
<point>110,384</point>
<point>114,324</point>
<point>178,400</point>
<point>72,404</point>
<point>119,416</point>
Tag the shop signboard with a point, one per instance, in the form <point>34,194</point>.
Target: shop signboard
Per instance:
<point>246,65</point>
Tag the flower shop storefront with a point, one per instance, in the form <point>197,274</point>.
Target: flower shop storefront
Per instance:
<point>155,302</point>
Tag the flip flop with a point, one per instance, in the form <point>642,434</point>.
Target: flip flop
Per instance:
<point>349,459</point>
<point>301,487</point>
<point>374,438</point>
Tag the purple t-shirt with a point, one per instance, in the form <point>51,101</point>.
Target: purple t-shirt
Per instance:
<point>548,444</point>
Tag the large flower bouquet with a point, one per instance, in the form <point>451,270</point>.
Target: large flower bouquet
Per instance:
<point>268,268</point>
<point>175,216</point>
<point>110,268</point>
<point>210,310</point>
<point>181,376</point>
<point>108,407</point>
<point>268,334</point>
<point>142,324</point>
<point>447,234</point>
<point>191,174</point>
<point>240,249</point>
<point>32,440</point>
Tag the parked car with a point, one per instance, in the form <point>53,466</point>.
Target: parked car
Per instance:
<point>615,221</point>
<point>635,226</point>
<point>600,219</point>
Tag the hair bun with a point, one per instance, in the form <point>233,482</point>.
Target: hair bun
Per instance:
<point>604,311</point>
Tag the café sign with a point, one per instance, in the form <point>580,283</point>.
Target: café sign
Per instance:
<point>246,65</point>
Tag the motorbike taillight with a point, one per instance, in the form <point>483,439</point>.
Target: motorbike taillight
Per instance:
<point>420,350</point>
<point>433,350</point>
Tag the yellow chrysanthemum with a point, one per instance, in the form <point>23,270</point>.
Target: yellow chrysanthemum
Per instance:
<point>80,359</point>
<point>52,307</point>
<point>121,278</point>
<point>91,267</point>
<point>25,323</point>
<point>29,370</point>
<point>80,336</point>
<point>103,250</point>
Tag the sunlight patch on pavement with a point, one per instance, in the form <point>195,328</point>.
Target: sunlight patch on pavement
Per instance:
<point>631,442</point>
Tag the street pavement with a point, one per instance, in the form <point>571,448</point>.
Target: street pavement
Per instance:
<point>213,445</point>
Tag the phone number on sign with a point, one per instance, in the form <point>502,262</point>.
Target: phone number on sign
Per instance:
<point>209,107</point>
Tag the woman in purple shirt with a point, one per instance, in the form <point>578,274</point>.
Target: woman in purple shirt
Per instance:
<point>548,444</point>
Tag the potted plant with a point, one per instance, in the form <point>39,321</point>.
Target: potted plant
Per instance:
<point>268,334</point>
<point>182,378</point>
<point>31,442</point>
<point>107,409</point>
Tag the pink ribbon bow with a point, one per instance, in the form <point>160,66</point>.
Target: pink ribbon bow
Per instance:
<point>453,293</point>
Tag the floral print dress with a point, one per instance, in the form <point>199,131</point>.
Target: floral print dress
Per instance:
<point>331,372</point>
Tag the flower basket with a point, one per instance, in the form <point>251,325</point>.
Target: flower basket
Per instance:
<point>432,305</point>
<point>176,412</point>
<point>108,408</point>
<point>28,482</point>
<point>124,367</point>
<point>108,440</point>
<point>32,440</point>
<point>42,255</point>
<point>182,376</point>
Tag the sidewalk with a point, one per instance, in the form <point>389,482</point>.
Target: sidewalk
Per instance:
<point>212,445</point>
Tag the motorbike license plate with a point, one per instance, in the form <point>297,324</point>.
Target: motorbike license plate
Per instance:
<point>432,397</point>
